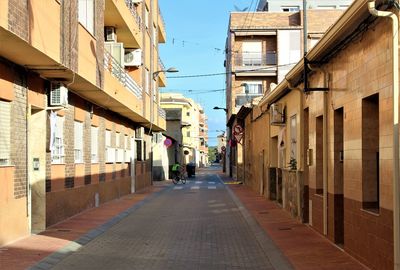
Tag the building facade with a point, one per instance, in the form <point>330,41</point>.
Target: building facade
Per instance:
<point>261,48</point>
<point>78,106</point>
<point>294,5</point>
<point>192,127</point>
<point>331,157</point>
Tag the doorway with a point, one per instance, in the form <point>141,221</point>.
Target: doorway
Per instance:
<point>37,169</point>
<point>338,177</point>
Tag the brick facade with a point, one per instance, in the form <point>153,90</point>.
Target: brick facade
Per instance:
<point>18,18</point>
<point>19,134</point>
<point>69,34</point>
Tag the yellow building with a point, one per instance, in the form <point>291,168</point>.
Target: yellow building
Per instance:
<point>193,127</point>
<point>79,101</point>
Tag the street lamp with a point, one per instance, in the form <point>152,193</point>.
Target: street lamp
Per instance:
<point>219,108</point>
<point>169,70</point>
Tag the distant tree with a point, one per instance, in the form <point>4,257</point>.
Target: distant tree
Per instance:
<point>212,153</point>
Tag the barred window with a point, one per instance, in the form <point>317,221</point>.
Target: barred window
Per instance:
<point>78,142</point>
<point>5,131</point>
<point>57,152</point>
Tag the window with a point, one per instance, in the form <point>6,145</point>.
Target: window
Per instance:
<point>188,134</point>
<point>319,149</point>
<point>155,35</point>
<point>146,17</point>
<point>187,113</point>
<point>57,147</point>
<point>119,152</point>
<point>293,137</point>
<point>370,153</point>
<point>253,88</point>
<point>290,8</point>
<point>5,132</point>
<point>146,80</point>
<point>252,53</point>
<point>139,149</point>
<point>94,133</point>
<point>110,152</point>
<point>126,149</point>
<point>78,142</point>
<point>86,14</point>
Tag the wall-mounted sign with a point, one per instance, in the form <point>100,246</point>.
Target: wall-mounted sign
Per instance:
<point>168,142</point>
<point>36,164</point>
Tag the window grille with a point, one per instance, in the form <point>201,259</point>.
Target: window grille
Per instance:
<point>57,152</point>
<point>5,132</point>
<point>94,144</point>
<point>78,142</point>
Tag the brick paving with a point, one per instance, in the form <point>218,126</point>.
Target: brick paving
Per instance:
<point>188,228</point>
<point>28,251</point>
<point>304,247</point>
<point>208,229</point>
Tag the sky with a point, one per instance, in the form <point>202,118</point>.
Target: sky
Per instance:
<point>196,35</point>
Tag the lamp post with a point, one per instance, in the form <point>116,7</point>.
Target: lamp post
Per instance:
<point>155,76</point>
<point>219,108</point>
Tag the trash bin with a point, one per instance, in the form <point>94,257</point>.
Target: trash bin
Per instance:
<point>191,169</point>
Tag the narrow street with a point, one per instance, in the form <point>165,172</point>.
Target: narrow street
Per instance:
<point>200,225</point>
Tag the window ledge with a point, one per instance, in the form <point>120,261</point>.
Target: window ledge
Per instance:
<point>371,211</point>
<point>7,166</point>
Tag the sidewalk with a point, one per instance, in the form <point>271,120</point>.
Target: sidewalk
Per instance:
<point>304,247</point>
<point>28,251</point>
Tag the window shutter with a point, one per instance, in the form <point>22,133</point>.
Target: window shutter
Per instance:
<point>5,132</point>
<point>94,143</point>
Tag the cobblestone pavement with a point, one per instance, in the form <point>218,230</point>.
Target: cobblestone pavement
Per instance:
<point>200,225</point>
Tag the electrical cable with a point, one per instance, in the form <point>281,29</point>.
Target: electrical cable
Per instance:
<point>227,73</point>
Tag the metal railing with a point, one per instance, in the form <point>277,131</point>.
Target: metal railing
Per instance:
<point>244,99</point>
<point>162,113</point>
<point>162,66</point>
<point>250,59</point>
<point>117,71</point>
<point>132,7</point>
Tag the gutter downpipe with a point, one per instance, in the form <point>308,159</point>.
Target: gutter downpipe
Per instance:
<point>325,148</point>
<point>300,169</point>
<point>395,78</point>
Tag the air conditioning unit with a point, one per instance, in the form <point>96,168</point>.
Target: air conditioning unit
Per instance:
<point>116,49</point>
<point>277,114</point>
<point>110,34</point>
<point>139,132</point>
<point>58,94</point>
<point>133,57</point>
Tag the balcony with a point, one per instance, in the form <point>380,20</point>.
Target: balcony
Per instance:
<point>242,99</point>
<point>124,16</point>
<point>255,64</point>
<point>118,72</point>
<point>162,34</point>
<point>162,113</point>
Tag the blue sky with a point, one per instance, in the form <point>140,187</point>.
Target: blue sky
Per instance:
<point>196,34</point>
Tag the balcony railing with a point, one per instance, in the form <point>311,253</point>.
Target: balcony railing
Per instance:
<point>162,113</point>
<point>250,59</point>
<point>244,99</point>
<point>162,66</point>
<point>116,70</point>
<point>132,7</point>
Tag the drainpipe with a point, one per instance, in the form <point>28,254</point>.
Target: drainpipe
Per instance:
<point>300,163</point>
<point>395,78</point>
<point>325,148</point>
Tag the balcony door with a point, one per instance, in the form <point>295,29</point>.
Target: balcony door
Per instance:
<point>252,53</point>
